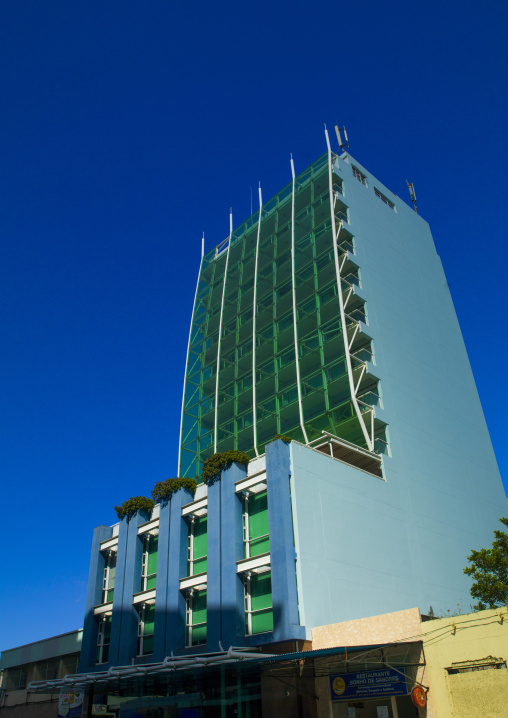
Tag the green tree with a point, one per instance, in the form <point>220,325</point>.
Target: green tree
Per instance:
<point>489,570</point>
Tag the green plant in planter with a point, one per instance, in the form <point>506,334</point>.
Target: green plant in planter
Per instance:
<point>282,437</point>
<point>216,463</point>
<point>132,505</point>
<point>163,490</point>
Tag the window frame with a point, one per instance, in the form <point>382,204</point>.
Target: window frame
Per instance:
<point>385,199</point>
<point>193,520</point>
<point>189,612</point>
<point>249,611</point>
<point>142,635</point>
<point>358,174</point>
<point>247,540</point>
<point>145,558</point>
<point>102,646</point>
<point>108,583</point>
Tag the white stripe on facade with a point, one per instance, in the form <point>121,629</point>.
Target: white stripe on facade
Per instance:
<point>254,413</point>
<point>295,330</point>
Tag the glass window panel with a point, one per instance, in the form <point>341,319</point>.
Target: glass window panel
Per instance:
<point>151,582</point>
<point>258,515</point>
<point>147,645</point>
<point>262,622</point>
<point>149,620</point>
<point>199,565</point>
<point>152,555</point>
<point>261,591</point>
<point>107,629</point>
<point>198,635</point>
<point>259,546</point>
<point>199,607</point>
<point>200,537</point>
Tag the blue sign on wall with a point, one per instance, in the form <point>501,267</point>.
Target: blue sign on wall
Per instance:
<point>369,684</point>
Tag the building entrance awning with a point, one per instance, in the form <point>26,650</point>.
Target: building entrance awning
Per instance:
<point>326,661</point>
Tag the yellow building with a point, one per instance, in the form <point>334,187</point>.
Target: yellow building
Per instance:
<point>467,659</point>
<point>463,663</point>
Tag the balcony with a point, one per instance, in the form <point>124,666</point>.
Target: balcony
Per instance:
<point>348,453</point>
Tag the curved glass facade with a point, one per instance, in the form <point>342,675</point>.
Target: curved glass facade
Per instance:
<point>255,352</point>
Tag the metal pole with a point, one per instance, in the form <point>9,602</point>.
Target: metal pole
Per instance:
<point>295,330</point>
<point>254,413</point>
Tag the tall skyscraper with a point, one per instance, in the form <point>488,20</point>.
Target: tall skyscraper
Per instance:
<point>326,316</point>
<point>279,342</point>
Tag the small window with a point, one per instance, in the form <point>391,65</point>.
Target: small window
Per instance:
<point>146,629</point>
<point>196,618</point>
<point>384,199</point>
<point>497,665</point>
<point>103,638</point>
<point>48,670</point>
<point>197,545</point>
<point>255,524</point>
<point>149,562</point>
<point>338,186</point>
<point>17,678</point>
<point>108,581</point>
<point>258,603</point>
<point>359,175</point>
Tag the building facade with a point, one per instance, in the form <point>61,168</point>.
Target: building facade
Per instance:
<point>47,660</point>
<point>463,662</point>
<point>327,317</point>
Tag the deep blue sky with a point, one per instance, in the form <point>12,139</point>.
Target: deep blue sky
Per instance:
<point>129,128</point>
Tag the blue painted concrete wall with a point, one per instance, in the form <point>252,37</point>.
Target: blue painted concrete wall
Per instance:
<point>377,546</point>
<point>93,598</point>
<point>225,589</point>
<point>124,626</point>
<point>175,604</point>
<point>282,550</point>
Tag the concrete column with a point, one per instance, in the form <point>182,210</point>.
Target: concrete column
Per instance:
<point>213,563</point>
<point>177,569</point>
<point>161,586</point>
<point>131,585</point>
<point>225,610</point>
<point>93,598</point>
<point>232,593</point>
<point>124,626</point>
<point>282,550</point>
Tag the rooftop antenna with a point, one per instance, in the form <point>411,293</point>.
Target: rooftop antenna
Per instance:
<point>342,144</point>
<point>412,192</point>
<point>251,200</point>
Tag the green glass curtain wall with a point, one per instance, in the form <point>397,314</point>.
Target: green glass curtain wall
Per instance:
<point>325,390</point>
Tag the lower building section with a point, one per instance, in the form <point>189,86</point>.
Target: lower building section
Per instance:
<point>396,665</point>
<point>205,570</point>
<point>263,554</point>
